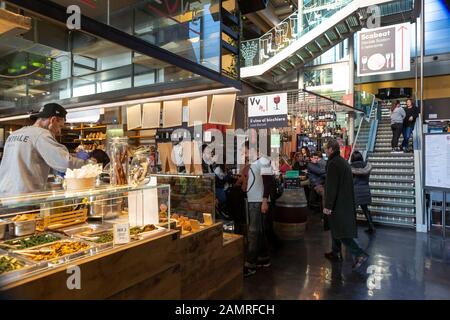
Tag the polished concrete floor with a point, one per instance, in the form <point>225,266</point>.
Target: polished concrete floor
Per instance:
<point>403,264</point>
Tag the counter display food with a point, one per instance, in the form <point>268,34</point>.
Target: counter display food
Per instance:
<point>191,197</point>
<point>33,250</point>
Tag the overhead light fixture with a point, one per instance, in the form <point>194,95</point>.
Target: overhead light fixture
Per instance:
<point>138,101</point>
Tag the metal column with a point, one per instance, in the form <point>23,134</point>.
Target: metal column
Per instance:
<point>351,85</point>
<point>300,16</point>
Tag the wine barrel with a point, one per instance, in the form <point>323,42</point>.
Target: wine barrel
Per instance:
<point>291,212</point>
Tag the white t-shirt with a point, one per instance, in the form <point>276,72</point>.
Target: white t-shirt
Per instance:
<point>255,186</point>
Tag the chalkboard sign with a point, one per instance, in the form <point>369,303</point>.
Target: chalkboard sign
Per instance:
<point>292,183</point>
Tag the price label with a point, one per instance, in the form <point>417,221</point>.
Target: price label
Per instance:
<point>121,233</point>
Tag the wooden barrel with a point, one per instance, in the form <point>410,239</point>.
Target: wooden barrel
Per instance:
<point>291,212</point>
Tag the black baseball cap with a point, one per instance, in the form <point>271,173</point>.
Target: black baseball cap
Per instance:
<point>50,110</point>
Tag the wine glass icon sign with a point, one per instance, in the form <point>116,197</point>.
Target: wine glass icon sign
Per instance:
<point>364,62</point>
<point>276,100</point>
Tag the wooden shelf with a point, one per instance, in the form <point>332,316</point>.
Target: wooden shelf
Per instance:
<point>140,137</point>
<point>90,139</point>
<point>89,128</point>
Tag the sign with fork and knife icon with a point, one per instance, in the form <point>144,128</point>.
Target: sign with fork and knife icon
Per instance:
<point>384,50</point>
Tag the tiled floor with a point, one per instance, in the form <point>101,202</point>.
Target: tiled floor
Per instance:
<point>404,265</point>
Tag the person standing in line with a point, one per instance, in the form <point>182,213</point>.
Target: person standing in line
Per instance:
<point>301,160</point>
<point>284,166</point>
<point>259,186</point>
<point>340,207</point>
<point>397,116</point>
<point>363,197</point>
<point>411,113</point>
<point>316,175</point>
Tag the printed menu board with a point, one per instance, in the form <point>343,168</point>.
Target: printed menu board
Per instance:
<point>437,161</point>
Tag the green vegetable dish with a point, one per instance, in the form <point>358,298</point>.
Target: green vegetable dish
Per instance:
<point>104,238</point>
<point>31,241</point>
<point>8,264</point>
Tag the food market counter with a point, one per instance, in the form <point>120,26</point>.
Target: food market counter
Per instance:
<point>117,242</point>
<point>200,265</point>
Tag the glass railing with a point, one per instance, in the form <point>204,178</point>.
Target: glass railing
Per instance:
<point>366,122</point>
<point>258,51</point>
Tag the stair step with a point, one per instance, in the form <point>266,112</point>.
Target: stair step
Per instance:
<point>397,171</point>
<point>396,155</point>
<point>401,165</point>
<point>388,178</point>
<point>390,203</point>
<point>382,149</point>
<point>383,185</point>
<point>387,213</point>
<point>392,193</point>
<point>378,221</point>
<point>384,136</point>
<point>386,144</point>
<point>392,210</point>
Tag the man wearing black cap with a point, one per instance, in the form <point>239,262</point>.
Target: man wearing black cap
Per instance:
<point>31,152</point>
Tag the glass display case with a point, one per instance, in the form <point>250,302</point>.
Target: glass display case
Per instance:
<point>40,231</point>
<point>192,200</point>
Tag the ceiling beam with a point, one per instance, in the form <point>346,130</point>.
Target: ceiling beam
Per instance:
<point>269,15</point>
<point>259,22</point>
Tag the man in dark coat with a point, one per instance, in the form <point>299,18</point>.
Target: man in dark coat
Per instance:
<point>340,206</point>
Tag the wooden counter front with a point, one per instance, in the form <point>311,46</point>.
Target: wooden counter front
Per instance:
<point>200,265</point>
<point>211,268</point>
<point>119,272</point>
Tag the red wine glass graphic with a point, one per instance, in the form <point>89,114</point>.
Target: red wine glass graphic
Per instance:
<point>276,100</point>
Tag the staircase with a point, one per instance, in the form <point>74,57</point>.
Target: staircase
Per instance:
<point>391,181</point>
<point>304,36</point>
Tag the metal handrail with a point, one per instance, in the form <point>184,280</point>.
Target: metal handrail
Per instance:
<point>356,139</point>
<point>371,121</point>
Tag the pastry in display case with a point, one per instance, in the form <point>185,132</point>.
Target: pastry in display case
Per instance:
<point>192,201</point>
<point>40,231</point>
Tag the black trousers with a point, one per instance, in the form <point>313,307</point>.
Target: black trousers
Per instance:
<point>397,129</point>
<point>365,210</point>
<point>351,245</point>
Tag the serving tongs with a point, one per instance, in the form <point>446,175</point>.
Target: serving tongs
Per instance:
<point>34,252</point>
<point>57,231</point>
<point>89,238</point>
<point>9,246</point>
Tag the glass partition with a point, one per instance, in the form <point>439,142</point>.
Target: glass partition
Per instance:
<point>33,74</point>
<point>190,29</point>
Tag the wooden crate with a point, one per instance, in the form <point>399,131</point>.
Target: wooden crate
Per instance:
<point>65,219</point>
